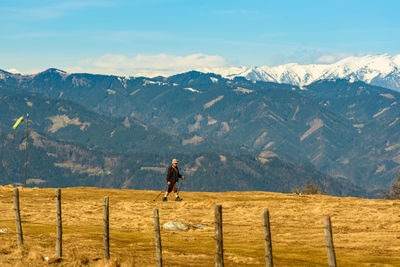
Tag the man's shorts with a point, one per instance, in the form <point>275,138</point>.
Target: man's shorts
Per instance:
<point>172,187</point>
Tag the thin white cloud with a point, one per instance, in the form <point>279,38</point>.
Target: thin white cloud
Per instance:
<point>326,59</point>
<point>332,58</point>
<point>13,70</point>
<point>307,55</point>
<point>147,65</point>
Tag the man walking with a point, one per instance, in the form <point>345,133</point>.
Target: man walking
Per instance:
<point>173,176</point>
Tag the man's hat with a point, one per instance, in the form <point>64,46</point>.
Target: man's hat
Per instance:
<point>174,161</point>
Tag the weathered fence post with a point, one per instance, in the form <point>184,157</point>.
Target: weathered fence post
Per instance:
<point>329,241</point>
<point>219,250</point>
<point>18,218</point>
<point>59,224</point>
<point>158,238</point>
<point>106,229</point>
<point>268,242</point>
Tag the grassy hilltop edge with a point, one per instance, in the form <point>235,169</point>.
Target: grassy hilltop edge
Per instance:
<point>366,232</point>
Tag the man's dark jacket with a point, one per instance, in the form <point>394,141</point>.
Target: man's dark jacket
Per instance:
<point>173,174</point>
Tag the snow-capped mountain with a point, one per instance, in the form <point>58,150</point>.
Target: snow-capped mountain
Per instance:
<point>382,70</point>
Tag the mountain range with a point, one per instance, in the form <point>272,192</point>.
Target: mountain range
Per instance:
<point>341,131</point>
<point>382,70</point>
<point>69,150</point>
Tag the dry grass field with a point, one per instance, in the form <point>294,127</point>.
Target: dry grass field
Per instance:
<point>365,232</point>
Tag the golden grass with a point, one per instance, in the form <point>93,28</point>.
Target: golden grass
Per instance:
<point>366,232</point>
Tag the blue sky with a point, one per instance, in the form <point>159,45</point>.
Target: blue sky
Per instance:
<point>169,36</point>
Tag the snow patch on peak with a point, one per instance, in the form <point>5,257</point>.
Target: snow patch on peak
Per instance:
<point>62,73</point>
<point>396,60</point>
<point>13,71</point>
<point>147,82</point>
<point>229,72</point>
<point>123,81</point>
<point>53,70</point>
<point>214,80</point>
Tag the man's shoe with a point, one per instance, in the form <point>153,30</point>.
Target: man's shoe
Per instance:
<point>178,198</point>
<point>164,199</point>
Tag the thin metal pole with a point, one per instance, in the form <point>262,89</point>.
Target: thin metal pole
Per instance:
<point>180,186</point>
<point>161,193</point>
<point>26,145</point>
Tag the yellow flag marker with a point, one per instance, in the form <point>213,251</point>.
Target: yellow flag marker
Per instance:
<point>18,122</point>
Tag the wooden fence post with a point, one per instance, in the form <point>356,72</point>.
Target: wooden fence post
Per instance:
<point>59,225</point>
<point>329,241</point>
<point>219,250</point>
<point>18,218</point>
<point>268,242</point>
<point>158,238</point>
<point>106,229</point>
